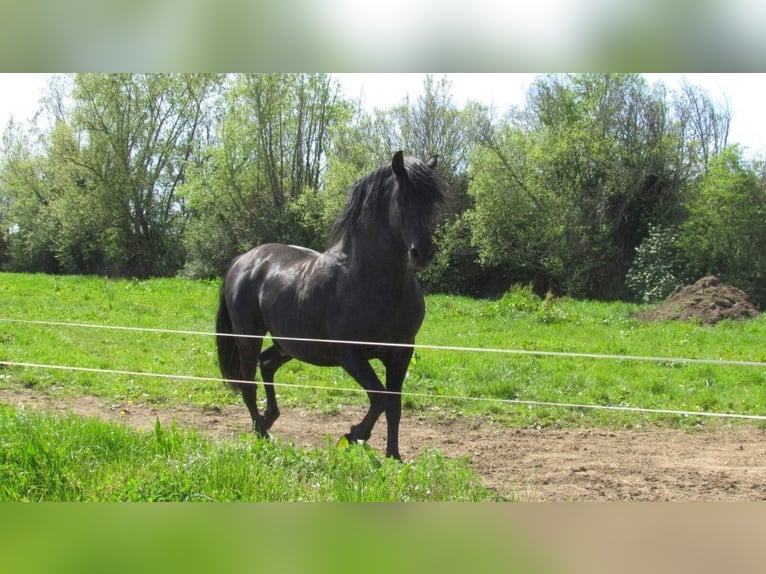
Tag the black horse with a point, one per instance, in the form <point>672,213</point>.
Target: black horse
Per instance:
<point>363,288</point>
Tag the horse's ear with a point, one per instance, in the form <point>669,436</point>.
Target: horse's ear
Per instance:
<point>397,163</point>
<point>432,161</point>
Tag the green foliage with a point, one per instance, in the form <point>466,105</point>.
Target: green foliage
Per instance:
<point>456,267</point>
<point>509,222</point>
<point>562,191</point>
<point>260,181</point>
<point>26,195</point>
<point>148,174</point>
<point>724,233</point>
<point>103,196</point>
<point>657,268</point>
<point>312,216</point>
<point>138,130</point>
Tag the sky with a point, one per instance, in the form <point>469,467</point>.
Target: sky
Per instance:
<point>745,94</point>
<point>20,95</point>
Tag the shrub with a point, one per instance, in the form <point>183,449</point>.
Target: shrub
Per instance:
<point>657,268</point>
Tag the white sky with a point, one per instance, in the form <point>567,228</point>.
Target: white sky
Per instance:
<point>745,94</point>
<point>20,95</point>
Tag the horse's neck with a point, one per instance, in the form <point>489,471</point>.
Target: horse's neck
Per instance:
<point>374,256</point>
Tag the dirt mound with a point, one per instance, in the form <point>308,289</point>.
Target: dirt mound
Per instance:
<point>707,301</point>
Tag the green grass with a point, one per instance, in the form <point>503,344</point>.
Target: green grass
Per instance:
<point>485,381</point>
<point>171,304</point>
<point>522,321</point>
<point>51,458</point>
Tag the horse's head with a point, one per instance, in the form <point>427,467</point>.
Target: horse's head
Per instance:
<point>412,213</point>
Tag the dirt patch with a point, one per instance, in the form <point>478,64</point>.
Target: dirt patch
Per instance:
<point>723,462</point>
<point>707,301</point>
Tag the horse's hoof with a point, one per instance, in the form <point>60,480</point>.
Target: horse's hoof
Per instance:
<point>269,418</point>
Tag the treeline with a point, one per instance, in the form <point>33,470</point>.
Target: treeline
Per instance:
<point>601,186</point>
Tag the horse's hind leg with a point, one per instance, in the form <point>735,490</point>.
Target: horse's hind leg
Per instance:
<point>249,352</point>
<point>249,396</point>
<point>271,359</point>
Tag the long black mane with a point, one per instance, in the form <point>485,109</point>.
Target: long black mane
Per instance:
<point>369,195</point>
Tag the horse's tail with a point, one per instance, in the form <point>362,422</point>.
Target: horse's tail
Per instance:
<point>228,354</point>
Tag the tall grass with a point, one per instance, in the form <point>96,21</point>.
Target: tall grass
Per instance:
<point>51,458</point>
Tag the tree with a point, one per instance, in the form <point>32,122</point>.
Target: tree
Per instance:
<point>98,195</point>
<point>724,233</point>
<point>26,196</point>
<point>260,176</point>
<point>135,134</point>
<point>704,125</point>
<point>565,190</point>
<point>511,218</point>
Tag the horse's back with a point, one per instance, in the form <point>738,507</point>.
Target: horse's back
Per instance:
<point>258,274</point>
<point>276,282</point>
<point>255,267</point>
<point>262,257</point>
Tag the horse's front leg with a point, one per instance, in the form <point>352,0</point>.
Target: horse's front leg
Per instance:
<point>356,365</point>
<point>396,370</point>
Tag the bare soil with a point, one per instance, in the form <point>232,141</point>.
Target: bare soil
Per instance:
<point>721,462</point>
<point>707,301</point>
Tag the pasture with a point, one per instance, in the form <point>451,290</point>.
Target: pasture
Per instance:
<point>442,386</point>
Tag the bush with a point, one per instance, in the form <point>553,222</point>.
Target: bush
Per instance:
<point>657,268</point>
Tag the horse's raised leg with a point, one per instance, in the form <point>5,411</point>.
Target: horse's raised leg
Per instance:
<point>358,367</point>
<point>271,359</point>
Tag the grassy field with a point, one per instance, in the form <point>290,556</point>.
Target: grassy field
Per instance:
<point>437,380</point>
<point>441,384</point>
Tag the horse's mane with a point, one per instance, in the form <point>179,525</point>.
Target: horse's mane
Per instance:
<point>369,195</point>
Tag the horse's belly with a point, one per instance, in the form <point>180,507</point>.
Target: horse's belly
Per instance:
<point>316,353</point>
<point>327,350</point>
